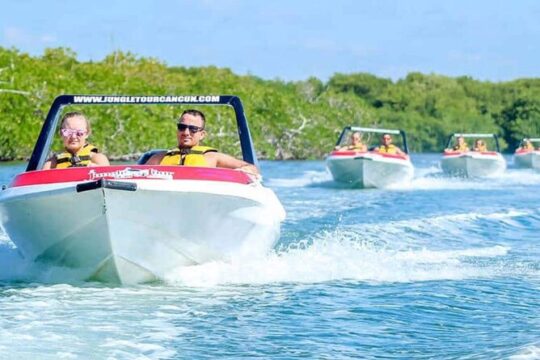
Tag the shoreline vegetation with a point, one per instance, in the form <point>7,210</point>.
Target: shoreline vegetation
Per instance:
<point>288,120</point>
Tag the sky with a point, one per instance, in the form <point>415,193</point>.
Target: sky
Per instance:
<point>291,40</point>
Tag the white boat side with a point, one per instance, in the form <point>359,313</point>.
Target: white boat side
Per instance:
<point>527,159</point>
<point>473,164</point>
<point>138,236</point>
<point>370,169</point>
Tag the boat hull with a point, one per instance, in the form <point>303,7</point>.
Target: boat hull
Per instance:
<point>370,170</point>
<point>527,160</point>
<point>139,230</point>
<point>473,164</point>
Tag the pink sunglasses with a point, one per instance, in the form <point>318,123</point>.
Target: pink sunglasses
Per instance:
<point>71,132</point>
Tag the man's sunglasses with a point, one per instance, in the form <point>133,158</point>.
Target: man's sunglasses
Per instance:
<point>71,132</point>
<point>192,128</point>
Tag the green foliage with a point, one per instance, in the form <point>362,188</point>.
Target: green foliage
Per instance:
<point>288,120</point>
<point>521,118</point>
<point>364,85</point>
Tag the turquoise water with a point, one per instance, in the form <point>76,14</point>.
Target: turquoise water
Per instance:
<point>441,269</point>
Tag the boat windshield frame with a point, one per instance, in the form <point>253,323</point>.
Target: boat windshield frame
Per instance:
<point>48,130</point>
<point>375,130</point>
<point>535,140</point>
<point>477,136</point>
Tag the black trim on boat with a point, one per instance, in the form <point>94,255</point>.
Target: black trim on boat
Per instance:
<point>103,183</point>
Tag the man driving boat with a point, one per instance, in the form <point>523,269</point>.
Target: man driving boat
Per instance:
<point>387,147</point>
<point>480,146</point>
<point>190,132</point>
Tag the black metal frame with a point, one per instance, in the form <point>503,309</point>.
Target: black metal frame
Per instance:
<point>43,144</point>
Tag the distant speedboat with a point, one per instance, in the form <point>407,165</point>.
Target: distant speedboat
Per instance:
<point>529,159</point>
<point>370,169</point>
<point>473,163</point>
<point>135,223</point>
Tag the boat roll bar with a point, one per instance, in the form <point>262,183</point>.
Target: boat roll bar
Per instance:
<point>43,144</point>
<point>376,130</point>
<point>474,135</point>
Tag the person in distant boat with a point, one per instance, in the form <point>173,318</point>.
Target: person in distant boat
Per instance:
<point>356,143</point>
<point>75,130</point>
<point>189,151</point>
<point>480,145</point>
<point>387,147</point>
<point>460,146</point>
<point>526,145</point>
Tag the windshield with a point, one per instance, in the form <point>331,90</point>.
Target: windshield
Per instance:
<point>478,143</point>
<point>125,132</point>
<point>370,139</point>
<point>124,127</point>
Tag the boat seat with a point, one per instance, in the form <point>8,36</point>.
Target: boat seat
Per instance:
<point>147,155</point>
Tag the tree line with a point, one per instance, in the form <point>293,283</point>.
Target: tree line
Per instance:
<point>288,120</point>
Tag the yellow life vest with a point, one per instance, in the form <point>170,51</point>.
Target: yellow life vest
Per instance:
<point>462,147</point>
<point>528,146</point>
<point>481,148</point>
<point>81,158</point>
<point>357,147</point>
<point>390,149</point>
<point>189,157</point>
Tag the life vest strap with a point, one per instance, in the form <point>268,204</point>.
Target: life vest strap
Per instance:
<point>74,159</point>
<point>189,151</point>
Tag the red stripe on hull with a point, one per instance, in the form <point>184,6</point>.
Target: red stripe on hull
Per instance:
<point>457,153</point>
<point>352,153</point>
<point>124,172</point>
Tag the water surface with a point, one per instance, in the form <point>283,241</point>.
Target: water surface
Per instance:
<point>441,268</point>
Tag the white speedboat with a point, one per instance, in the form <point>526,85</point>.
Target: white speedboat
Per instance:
<point>473,163</point>
<point>370,169</point>
<point>135,223</point>
<point>529,159</point>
